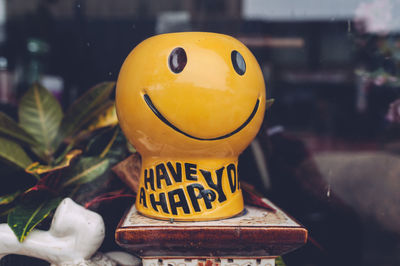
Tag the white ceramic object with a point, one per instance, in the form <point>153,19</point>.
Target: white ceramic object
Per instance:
<point>124,259</point>
<point>74,236</point>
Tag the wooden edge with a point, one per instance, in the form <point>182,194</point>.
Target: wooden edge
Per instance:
<point>131,235</point>
<point>203,241</point>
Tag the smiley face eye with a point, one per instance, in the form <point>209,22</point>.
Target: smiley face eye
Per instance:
<point>177,60</point>
<point>238,62</point>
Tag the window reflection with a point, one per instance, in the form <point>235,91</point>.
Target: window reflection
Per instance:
<point>329,151</point>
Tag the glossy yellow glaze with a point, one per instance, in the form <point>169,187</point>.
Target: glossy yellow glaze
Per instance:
<point>207,101</point>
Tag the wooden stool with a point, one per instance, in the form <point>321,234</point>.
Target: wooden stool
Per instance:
<point>256,237</point>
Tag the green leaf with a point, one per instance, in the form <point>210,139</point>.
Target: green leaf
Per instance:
<point>40,115</point>
<point>110,143</point>
<point>37,168</point>
<point>89,124</point>
<point>130,147</point>
<point>6,199</point>
<point>279,262</point>
<point>83,110</point>
<point>9,128</point>
<point>98,141</point>
<point>29,214</point>
<point>87,170</point>
<point>13,153</point>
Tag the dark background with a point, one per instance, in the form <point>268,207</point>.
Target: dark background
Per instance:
<point>333,162</point>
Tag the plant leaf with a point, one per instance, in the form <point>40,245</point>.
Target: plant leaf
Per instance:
<point>130,147</point>
<point>29,214</point>
<point>128,171</point>
<point>6,199</point>
<point>10,128</point>
<point>108,117</point>
<point>98,141</point>
<point>37,168</point>
<point>91,124</point>
<point>110,143</point>
<point>84,110</point>
<point>40,115</point>
<point>87,170</point>
<point>279,262</point>
<point>13,153</point>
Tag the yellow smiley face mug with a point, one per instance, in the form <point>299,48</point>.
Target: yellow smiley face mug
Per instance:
<point>190,103</point>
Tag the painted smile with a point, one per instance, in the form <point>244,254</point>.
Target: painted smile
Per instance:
<point>165,120</point>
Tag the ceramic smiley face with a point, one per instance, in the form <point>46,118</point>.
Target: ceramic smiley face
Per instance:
<point>190,99</point>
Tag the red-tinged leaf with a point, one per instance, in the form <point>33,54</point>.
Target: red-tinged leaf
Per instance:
<point>50,183</point>
<point>129,171</point>
<point>316,243</point>
<point>251,198</point>
<point>110,196</point>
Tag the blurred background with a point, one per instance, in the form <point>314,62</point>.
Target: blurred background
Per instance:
<point>328,152</point>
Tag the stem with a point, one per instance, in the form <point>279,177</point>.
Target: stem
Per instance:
<point>61,157</point>
<point>110,143</point>
<point>36,176</point>
<point>73,192</point>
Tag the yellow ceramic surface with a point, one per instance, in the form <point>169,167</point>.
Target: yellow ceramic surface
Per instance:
<point>190,103</point>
